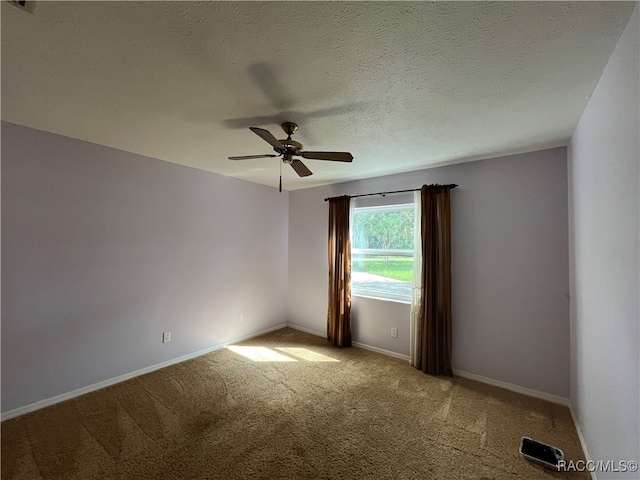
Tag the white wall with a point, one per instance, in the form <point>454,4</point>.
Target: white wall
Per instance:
<point>103,250</point>
<point>509,267</point>
<point>604,217</point>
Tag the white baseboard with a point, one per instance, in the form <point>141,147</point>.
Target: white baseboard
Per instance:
<point>537,394</point>
<point>471,376</point>
<point>490,381</point>
<point>307,330</point>
<point>16,412</point>
<point>389,353</point>
<point>550,397</point>
<point>460,373</point>
<point>112,381</point>
<point>583,443</point>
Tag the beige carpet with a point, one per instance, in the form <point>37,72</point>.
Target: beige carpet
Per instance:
<point>288,405</point>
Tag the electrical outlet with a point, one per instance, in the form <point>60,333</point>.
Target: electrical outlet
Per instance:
<point>394,332</point>
<point>166,337</point>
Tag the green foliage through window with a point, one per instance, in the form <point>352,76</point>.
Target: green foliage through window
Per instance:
<point>383,230</point>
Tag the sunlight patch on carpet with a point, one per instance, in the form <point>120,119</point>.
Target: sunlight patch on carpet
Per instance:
<point>260,354</point>
<point>306,354</point>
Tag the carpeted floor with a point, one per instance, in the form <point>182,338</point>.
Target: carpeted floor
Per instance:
<point>288,405</point>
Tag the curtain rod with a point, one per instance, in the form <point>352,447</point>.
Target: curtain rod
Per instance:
<point>451,185</point>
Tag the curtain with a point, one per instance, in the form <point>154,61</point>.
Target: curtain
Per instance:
<point>339,309</point>
<point>416,300</point>
<point>434,337</point>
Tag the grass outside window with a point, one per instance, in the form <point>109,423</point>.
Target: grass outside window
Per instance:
<point>397,268</point>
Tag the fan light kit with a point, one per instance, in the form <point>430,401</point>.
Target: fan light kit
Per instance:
<point>288,148</point>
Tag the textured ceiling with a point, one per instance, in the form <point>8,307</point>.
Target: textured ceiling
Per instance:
<point>402,86</point>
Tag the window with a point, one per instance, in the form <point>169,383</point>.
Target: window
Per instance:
<point>382,244</point>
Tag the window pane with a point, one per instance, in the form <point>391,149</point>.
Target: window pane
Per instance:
<point>382,251</point>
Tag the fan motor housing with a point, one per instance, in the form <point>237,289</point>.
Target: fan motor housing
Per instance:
<point>292,145</point>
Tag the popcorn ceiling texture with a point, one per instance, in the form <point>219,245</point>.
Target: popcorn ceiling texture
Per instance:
<point>401,85</point>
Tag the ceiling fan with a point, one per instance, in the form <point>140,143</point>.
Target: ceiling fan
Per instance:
<point>288,148</point>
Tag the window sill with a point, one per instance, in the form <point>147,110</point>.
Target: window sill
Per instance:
<point>382,299</point>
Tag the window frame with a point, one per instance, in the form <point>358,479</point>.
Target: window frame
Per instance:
<point>388,296</point>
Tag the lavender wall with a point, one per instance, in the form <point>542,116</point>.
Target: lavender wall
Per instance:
<point>510,268</point>
<point>604,156</point>
<point>103,250</point>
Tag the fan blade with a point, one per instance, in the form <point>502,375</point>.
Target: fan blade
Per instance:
<point>332,156</point>
<point>248,157</point>
<point>300,168</point>
<point>267,137</point>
